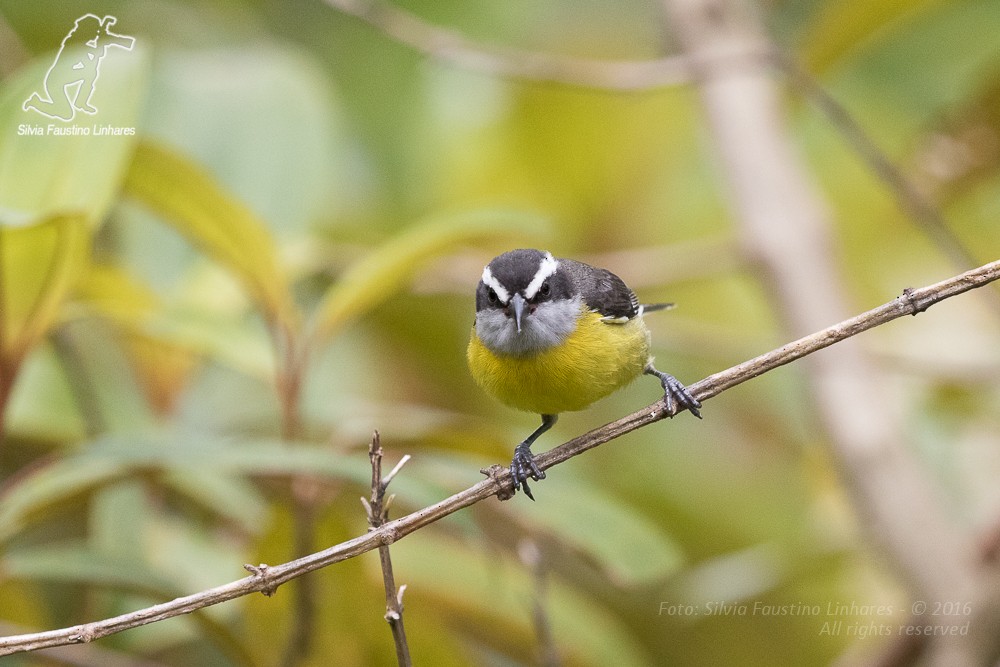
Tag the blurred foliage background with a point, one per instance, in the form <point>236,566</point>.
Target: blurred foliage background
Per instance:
<point>203,323</point>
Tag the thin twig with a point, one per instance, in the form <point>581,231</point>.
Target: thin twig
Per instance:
<point>395,469</point>
<point>288,386</point>
<point>914,203</point>
<point>304,599</point>
<point>377,509</point>
<point>906,647</point>
<point>645,75</point>
<point>266,579</point>
<point>653,74</point>
<point>451,47</point>
<point>13,53</point>
<point>531,557</point>
<point>769,186</point>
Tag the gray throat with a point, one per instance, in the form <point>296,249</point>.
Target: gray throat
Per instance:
<point>550,324</point>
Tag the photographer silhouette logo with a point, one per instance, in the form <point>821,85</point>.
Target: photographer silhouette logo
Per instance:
<point>69,84</point>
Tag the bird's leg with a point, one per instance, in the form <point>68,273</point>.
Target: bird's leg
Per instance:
<point>523,466</point>
<point>673,390</point>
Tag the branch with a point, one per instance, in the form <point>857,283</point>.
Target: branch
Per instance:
<point>770,188</point>
<point>288,388</point>
<point>265,579</point>
<point>377,510</point>
<point>451,47</point>
<point>632,76</point>
<point>13,53</point>
<point>532,558</point>
<point>914,203</point>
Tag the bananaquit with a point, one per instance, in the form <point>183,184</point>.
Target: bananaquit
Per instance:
<point>553,335</point>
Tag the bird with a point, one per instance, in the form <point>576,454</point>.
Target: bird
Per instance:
<point>554,335</point>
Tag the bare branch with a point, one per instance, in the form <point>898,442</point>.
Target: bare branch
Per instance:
<point>378,512</point>
<point>786,227</point>
<point>451,47</point>
<point>911,199</point>
<point>13,53</point>
<point>531,556</point>
<point>266,579</point>
<point>645,75</point>
<point>395,470</point>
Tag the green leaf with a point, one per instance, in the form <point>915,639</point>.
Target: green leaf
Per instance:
<point>916,73</point>
<point>111,458</point>
<point>630,549</point>
<point>263,116</point>
<point>45,486</point>
<point>844,25</point>
<point>39,264</point>
<point>111,398</point>
<point>189,199</point>
<point>71,564</point>
<point>375,278</point>
<point>42,175</point>
<point>163,340</point>
<point>482,583</point>
<point>114,293</point>
<point>43,407</point>
<point>160,363</point>
<point>232,497</point>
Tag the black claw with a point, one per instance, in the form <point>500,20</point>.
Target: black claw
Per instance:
<point>523,468</point>
<point>680,393</point>
<point>673,390</point>
<point>524,487</point>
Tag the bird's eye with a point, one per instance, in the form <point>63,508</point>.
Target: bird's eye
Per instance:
<point>492,296</point>
<point>544,289</point>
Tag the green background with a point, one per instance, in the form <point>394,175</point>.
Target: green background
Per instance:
<point>309,200</point>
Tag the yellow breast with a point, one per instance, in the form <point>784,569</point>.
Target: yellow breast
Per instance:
<point>595,360</point>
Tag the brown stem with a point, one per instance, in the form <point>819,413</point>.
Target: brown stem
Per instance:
<point>377,509</point>
<point>786,228</point>
<point>289,376</point>
<point>6,389</point>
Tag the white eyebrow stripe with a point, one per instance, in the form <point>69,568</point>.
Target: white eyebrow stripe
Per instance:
<point>545,269</point>
<point>495,285</point>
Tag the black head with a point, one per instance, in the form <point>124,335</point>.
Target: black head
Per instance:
<point>533,274</point>
<point>526,302</point>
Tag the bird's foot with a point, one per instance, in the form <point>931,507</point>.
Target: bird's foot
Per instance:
<point>674,391</point>
<point>523,467</point>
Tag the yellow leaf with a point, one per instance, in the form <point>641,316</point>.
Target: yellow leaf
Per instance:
<point>114,293</point>
<point>190,200</point>
<point>162,365</point>
<point>39,264</point>
<point>844,26</point>
<point>371,280</point>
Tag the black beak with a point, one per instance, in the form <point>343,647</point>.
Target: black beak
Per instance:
<point>517,306</point>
